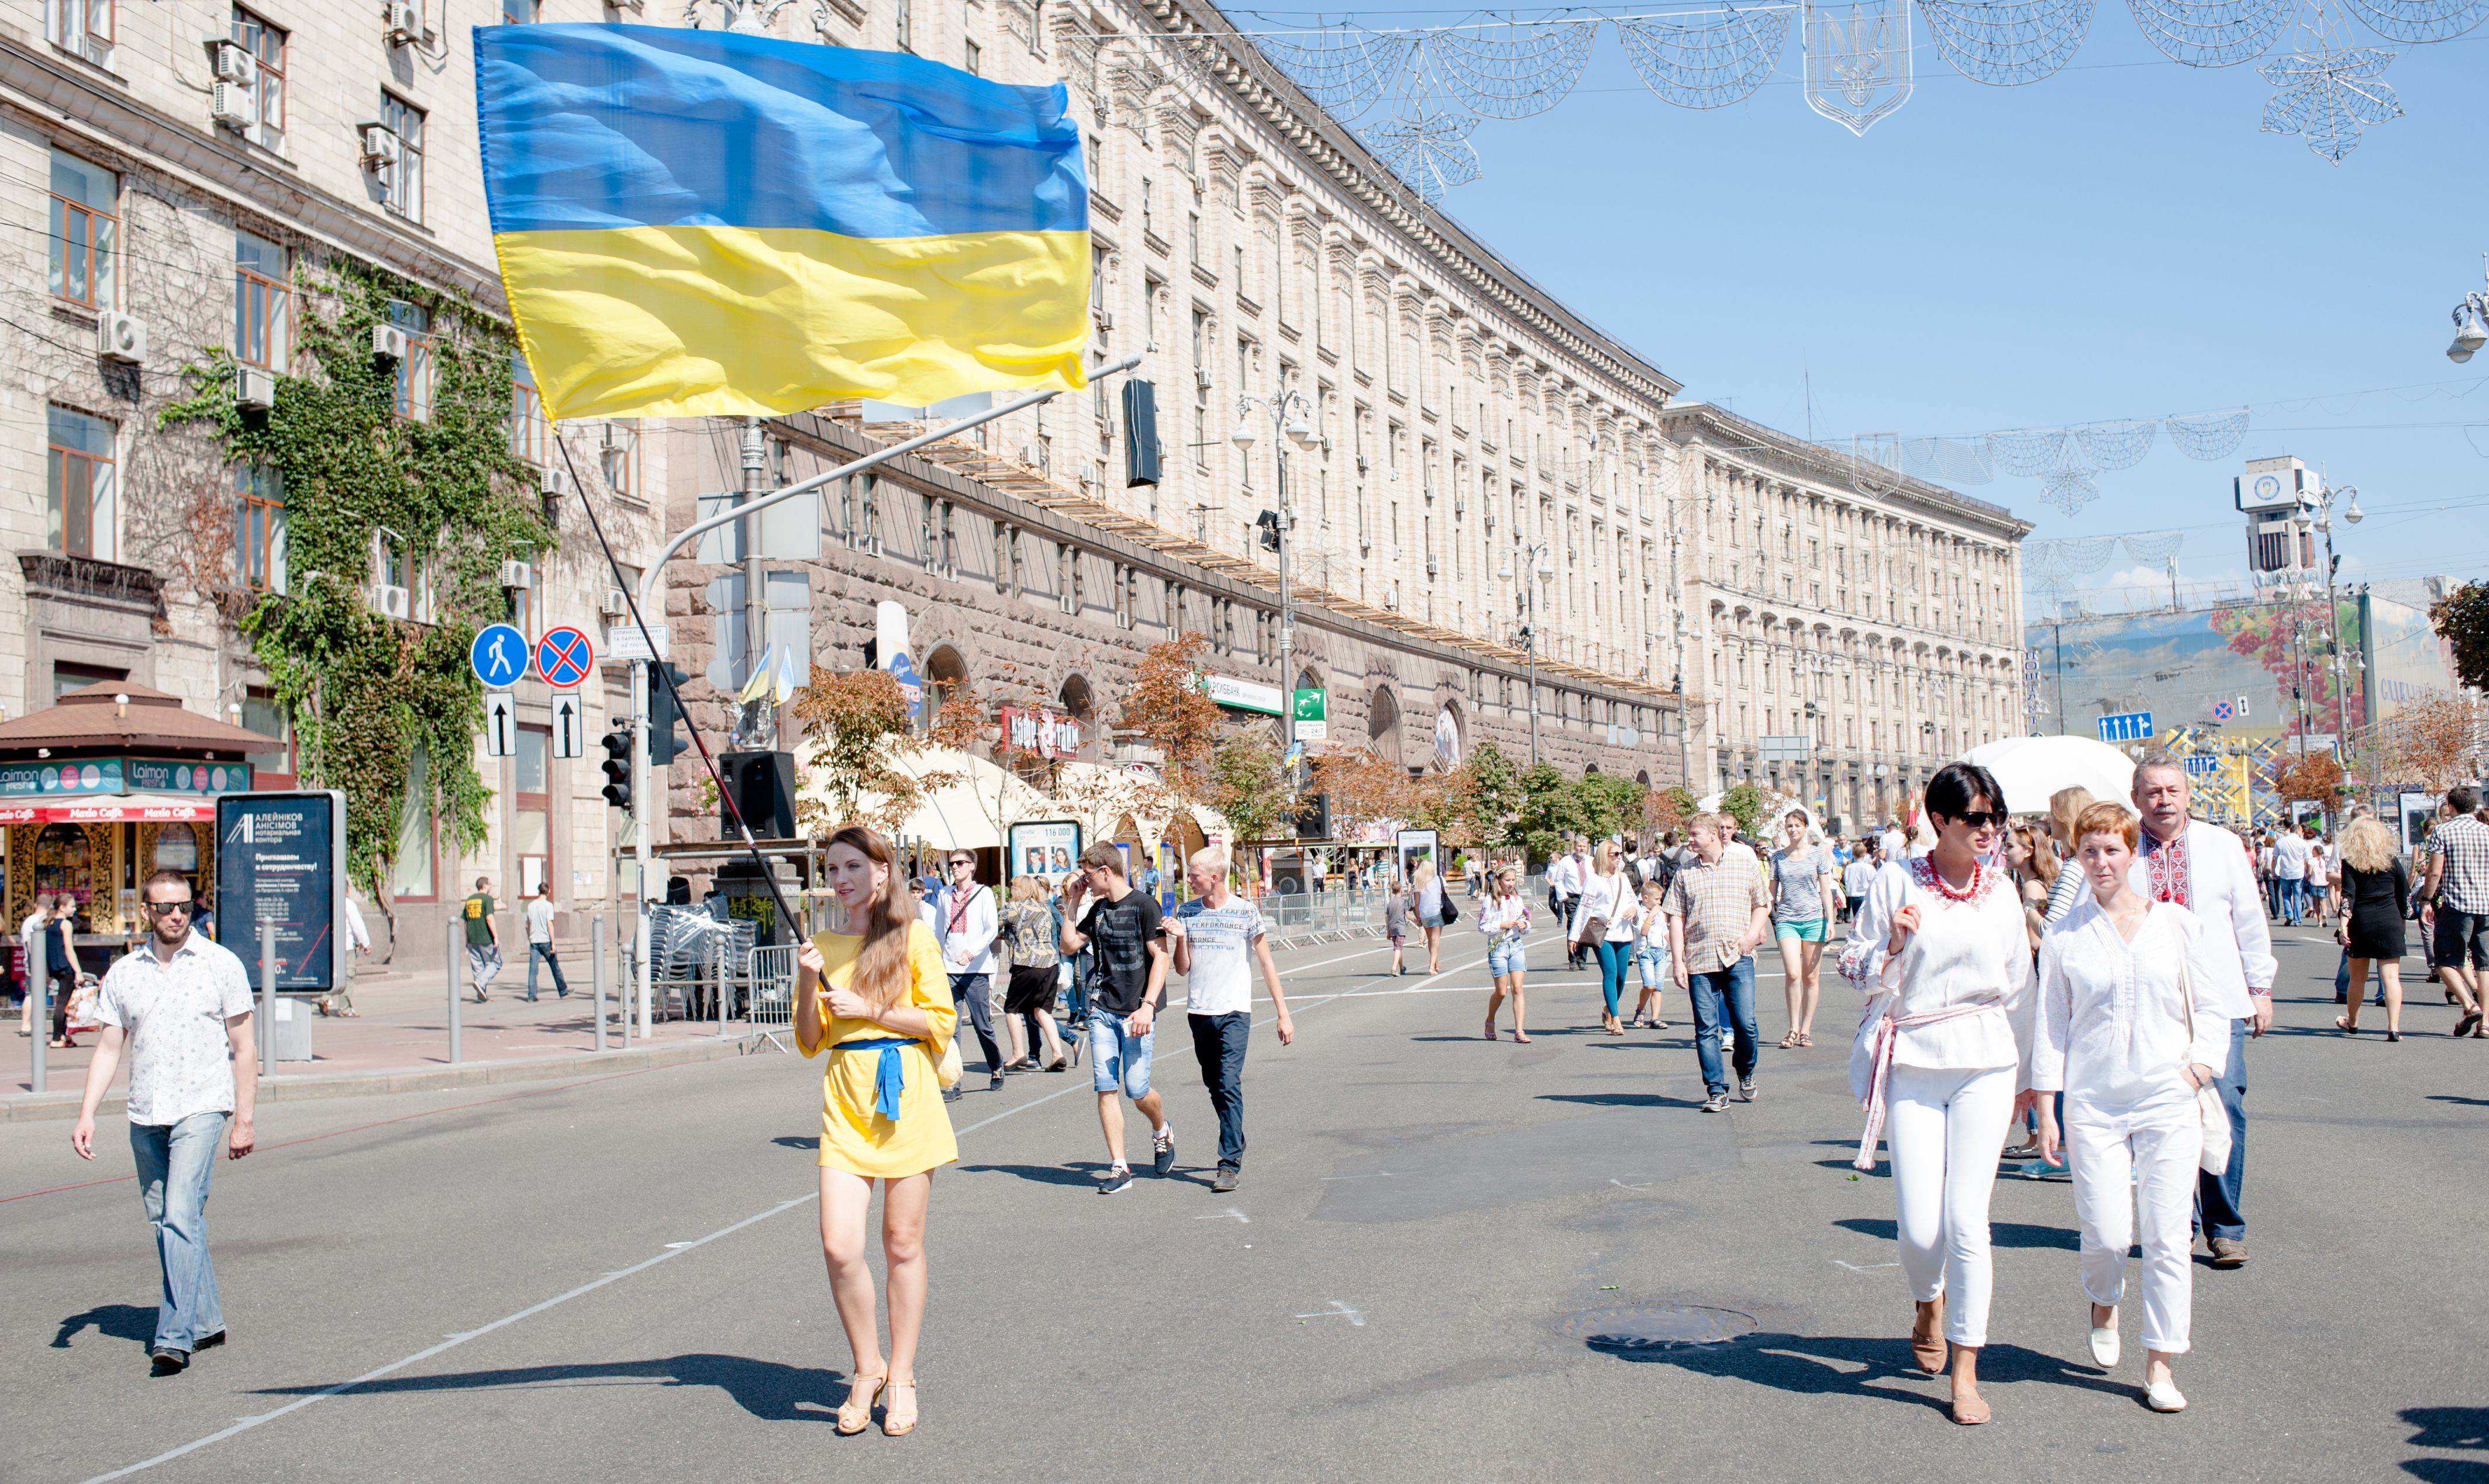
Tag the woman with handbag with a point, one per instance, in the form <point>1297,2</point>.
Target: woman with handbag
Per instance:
<point>2135,1002</point>
<point>2375,897</point>
<point>1942,1051</point>
<point>1434,910</point>
<point>1030,936</point>
<point>1605,925</point>
<point>878,1000</point>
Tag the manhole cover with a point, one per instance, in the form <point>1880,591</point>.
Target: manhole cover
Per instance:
<point>1653,1325</point>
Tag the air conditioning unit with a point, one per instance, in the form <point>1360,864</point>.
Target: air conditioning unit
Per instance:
<point>553,483</point>
<point>391,601</point>
<point>633,5</point>
<point>1432,567</point>
<point>235,65</point>
<point>380,143</point>
<point>405,23</point>
<point>1201,378</point>
<point>229,104</point>
<point>389,342</point>
<point>614,604</point>
<point>514,575</point>
<point>1361,464</point>
<point>120,337</point>
<point>254,389</point>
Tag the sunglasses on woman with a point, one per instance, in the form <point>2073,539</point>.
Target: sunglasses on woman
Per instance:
<point>1984,818</point>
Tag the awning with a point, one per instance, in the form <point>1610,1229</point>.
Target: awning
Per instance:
<point>134,807</point>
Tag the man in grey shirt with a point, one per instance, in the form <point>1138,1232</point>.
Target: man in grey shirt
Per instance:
<point>540,942</point>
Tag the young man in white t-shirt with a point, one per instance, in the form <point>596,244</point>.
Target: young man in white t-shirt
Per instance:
<point>1218,937</point>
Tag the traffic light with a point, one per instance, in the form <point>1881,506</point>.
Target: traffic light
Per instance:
<point>617,768</point>
<point>664,716</point>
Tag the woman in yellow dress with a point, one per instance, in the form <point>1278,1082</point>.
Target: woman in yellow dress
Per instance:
<point>879,1000</point>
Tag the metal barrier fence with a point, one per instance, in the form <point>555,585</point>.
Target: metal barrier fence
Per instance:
<point>1318,917</point>
<point>769,979</point>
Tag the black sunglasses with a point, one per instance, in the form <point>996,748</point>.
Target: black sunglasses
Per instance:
<point>1981,818</point>
<point>169,906</point>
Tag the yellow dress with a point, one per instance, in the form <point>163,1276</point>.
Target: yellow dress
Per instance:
<point>854,1136</point>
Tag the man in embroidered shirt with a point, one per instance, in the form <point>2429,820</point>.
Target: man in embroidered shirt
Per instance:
<point>182,1004</point>
<point>1718,909</point>
<point>2201,868</point>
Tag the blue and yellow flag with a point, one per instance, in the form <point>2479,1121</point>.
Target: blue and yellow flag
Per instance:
<point>695,222</point>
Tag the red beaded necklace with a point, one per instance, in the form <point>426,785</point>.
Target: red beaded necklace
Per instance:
<point>1935,878</point>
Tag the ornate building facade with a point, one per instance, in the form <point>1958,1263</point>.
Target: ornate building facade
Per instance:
<point>1851,629</point>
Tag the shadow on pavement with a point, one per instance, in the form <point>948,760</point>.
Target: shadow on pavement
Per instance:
<point>1621,1099</point>
<point>2002,1234</point>
<point>1082,1174</point>
<point>111,1321</point>
<point>797,1141</point>
<point>767,1390</point>
<point>1823,1365</point>
<point>2448,1427</point>
<point>2469,1102</point>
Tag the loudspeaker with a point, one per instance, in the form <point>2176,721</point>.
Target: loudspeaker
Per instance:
<point>762,786</point>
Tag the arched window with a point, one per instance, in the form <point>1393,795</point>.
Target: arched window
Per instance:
<point>1383,724</point>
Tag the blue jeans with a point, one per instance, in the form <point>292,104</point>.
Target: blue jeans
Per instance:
<point>974,993</point>
<point>174,1161</point>
<point>1612,958</point>
<point>2342,980</point>
<point>2217,1196</point>
<point>2294,897</point>
<point>1218,1044</point>
<point>1735,985</point>
<point>1651,962</point>
<point>544,950</point>
<point>1502,959</point>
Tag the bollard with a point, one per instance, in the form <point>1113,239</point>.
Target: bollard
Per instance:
<point>596,960</point>
<point>630,978</point>
<point>268,999</point>
<point>457,939</point>
<point>39,988</point>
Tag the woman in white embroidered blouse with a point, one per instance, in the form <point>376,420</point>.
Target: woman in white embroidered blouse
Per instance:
<point>1940,947</point>
<point>2135,1002</point>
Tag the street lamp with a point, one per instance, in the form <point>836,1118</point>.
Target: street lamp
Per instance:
<point>1542,563</point>
<point>1291,419</point>
<point>2470,322</point>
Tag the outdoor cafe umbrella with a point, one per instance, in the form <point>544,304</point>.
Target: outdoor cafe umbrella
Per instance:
<point>2030,769</point>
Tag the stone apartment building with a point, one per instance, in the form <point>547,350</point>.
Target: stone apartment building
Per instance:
<point>174,174</point>
<point>1871,619</point>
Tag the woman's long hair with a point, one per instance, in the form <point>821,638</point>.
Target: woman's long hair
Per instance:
<point>881,961</point>
<point>2065,807</point>
<point>2367,845</point>
<point>2043,860</point>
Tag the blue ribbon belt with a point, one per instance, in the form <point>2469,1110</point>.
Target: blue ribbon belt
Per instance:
<point>889,1080</point>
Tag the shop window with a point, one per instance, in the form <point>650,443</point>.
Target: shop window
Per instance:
<point>415,862</point>
<point>64,862</point>
<point>533,835</point>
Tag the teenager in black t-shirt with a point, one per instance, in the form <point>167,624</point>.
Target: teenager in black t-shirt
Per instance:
<point>1120,929</point>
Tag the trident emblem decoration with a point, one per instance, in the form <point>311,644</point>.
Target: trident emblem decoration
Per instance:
<point>1857,60</point>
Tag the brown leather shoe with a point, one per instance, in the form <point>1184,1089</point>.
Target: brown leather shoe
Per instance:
<point>2229,1253</point>
<point>1927,1347</point>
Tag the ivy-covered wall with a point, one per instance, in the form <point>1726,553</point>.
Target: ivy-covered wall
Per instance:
<point>364,690</point>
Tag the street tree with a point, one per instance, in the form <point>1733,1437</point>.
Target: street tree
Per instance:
<point>1550,810</point>
<point>1491,802</point>
<point>2461,619</point>
<point>1364,790</point>
<point>2316,776</point>
<point>1745,804</point>
<point>1248,784</point>
<point>2434,742</point>
<point>1667,809</point>
<point>858,748</point>
<point>1167,709</point>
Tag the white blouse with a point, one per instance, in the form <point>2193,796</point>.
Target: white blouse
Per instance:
<point>1614,898</point>
<point>1965,950</point>
<point>2113,1028</point>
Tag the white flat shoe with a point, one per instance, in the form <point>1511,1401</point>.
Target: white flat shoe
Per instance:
<point>2105,1348</point>
<point>2165,1396</point>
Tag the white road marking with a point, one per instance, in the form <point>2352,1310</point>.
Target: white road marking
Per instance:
<point>1869,1268</point>
<point>1231,1214</point>
<point>1338,1310</point>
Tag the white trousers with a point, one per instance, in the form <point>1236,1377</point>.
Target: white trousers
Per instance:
<point>1943,1133</point>
<point>2161,1146</point>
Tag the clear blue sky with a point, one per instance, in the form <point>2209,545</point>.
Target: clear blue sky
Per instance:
<point>2117,241</point>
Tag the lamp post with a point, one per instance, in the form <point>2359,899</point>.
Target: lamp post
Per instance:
<point>2349,494</point>
<point>1292,420</point>
<point>2470,322</point>
<point>1542,565</point>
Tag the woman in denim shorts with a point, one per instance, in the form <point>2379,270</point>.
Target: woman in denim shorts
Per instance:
<point>1505,918</point>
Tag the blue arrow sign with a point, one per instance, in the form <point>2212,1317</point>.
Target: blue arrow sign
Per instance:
<point>499,656</point>
<point>564,657</point>
<point>2130,727</point>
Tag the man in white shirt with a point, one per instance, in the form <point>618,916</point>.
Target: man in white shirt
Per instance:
<point>1219,938</point>
<point>1893,843</point>
<point>1566,877</point>
<point>966,921</point>
<point>1860,875</point>
<point>2202,868</point>
<point>540,914</point>
<point>182,1004</point>
<point>2290,855</point>
<point>340,1001</point>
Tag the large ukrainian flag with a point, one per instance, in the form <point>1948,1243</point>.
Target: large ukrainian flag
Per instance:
<point>696,223</point>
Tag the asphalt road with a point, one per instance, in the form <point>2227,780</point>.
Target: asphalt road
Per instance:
<point>619,1279</point>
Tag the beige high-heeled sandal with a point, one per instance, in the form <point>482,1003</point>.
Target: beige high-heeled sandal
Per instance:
<point>855,1413</point>
<point>890,1425</point>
